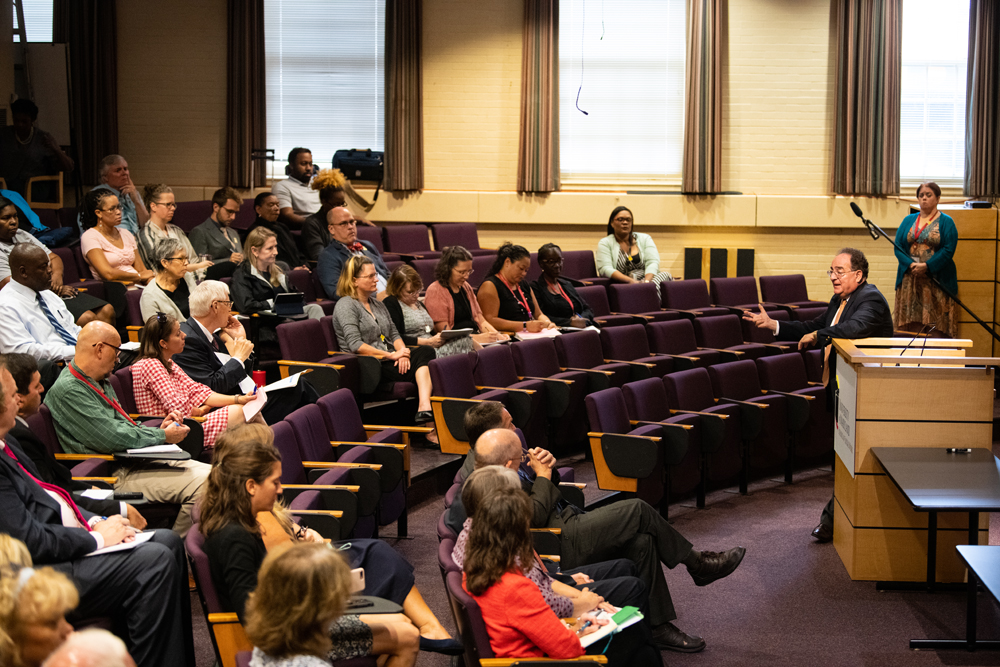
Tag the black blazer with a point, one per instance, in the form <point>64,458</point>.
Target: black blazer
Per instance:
<point>315,235</point>
<point>250,293</point>
<point>200,363</point>
<point>554,305</point>
<point>234,557</point>
<point>32,516</point>
<point>49,470</point>
<point>866,314</point>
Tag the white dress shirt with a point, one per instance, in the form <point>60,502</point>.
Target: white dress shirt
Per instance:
<point>24,327</point>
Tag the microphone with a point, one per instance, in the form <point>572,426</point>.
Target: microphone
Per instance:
<point>924,346</point>
<point>907,346</point>
<point>857,210</point>
<point>868,223</point>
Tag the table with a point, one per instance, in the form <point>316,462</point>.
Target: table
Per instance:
<point>984,565</point>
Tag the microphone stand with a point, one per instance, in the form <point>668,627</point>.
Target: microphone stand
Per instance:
<point>877,232</point>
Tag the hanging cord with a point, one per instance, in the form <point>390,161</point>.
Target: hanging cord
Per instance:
<point>583,29</point>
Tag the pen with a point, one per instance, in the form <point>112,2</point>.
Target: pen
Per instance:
<point>584,627</point>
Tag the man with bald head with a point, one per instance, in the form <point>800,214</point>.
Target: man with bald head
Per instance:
<point>629,529</point>
<point>344,244</point>
<point>93,647</point>
<point>89,420</point>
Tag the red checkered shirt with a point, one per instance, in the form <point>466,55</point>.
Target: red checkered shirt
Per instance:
<point>158,392</point>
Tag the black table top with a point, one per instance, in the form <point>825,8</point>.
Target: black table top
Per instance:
<point>984,560</point>
<point>932,479</point>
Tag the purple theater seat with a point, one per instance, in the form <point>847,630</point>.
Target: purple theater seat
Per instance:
<point>629,343</point>
<point>410,239</point>
<point>494,367</point>
<point>580,265</point>
<point>690,296</point>
<point>582,351</point>
<point>725,334</point>
<point>787,373</point>
<point>677,339</point>
<point>190,214</point>
<point>481,265</point>
<point>303,341</point>
<point>596,296</point>
<point>788,289</point>
<point>462,234</point>
<point>73,275</point>
<point>537,358</point>
<point>132,298</point>
<point>425,269</point>
<point>306,282</point>
<point>455,392</point>
<point>741,294</point>
<point>468,620</point>
<point>640,299</point>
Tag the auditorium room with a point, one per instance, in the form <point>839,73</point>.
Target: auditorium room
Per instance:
<point>505,332</point>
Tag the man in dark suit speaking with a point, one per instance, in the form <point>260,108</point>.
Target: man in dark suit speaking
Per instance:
<point>857,310</point>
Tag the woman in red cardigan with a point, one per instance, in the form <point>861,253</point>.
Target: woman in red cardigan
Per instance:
<point>451,301</point>
<point>519,622</point>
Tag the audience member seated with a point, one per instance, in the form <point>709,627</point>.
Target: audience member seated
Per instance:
<point>507,304</point>
<point>89,420</point>
<point>556,296</point>
<point>84,307</point>
<point>411,319</point>
<point>629,529</point>
<point>217,353</point>
<point>216,237</point>
<point>115,178</point>
<point>627,256</point>
<point>259,280</point>
<point>159,199</point>
<point>92,647</point>
<point>20,439</point>
<point>301,592</point>
<point>266,206</point>
<point>170,289</point>
<point>294,197</point>
<point>239,520</point>
<point>111,251</point>
<point>363,326</point>
<point>33,320</point>
<point>27,151</point>
<point>144,590</point>
<point>33,607</point>
<point>451,302</point>
<point>344,244</point>
<point>162,387</point>
<point>329,183</point>
<point>518,620</point>
<point>488,415</point>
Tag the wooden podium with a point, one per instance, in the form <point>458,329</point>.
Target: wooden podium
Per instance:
<point>881,400</point>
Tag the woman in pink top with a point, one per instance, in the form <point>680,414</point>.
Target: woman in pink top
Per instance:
<point>162,387</point>
<point>111,251</point>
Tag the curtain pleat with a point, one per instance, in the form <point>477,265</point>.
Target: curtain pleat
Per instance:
<point>982,125</point>
<point>869,67</point>
<point>404,122</point>
<point>538,144</point>
<point>246,108</point>
<point>702,165</point>
<point>89,28</point>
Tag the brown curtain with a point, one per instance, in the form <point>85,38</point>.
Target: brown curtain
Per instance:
<point>89,28</point>
<point>702,166</point>
<point>538,146</point>
<point>246,107</point>
<point>982,122</point>
<point>869,65</point>
<point>404,119</point>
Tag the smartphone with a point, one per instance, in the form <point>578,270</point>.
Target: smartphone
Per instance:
<point>357,580</point>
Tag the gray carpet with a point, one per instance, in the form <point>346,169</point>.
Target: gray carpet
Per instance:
<point>790,602</point>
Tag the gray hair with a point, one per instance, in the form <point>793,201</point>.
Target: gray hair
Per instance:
<point>105,166</point>
<point>93,647</point>
<point>483,482</point>
<point>200,301</point>
<point>163,250</point>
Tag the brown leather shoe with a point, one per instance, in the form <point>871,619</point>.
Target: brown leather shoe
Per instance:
<point>668,638</point>
<point>823,532</point>
<point>715,565</point>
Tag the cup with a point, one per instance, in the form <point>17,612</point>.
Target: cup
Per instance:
<point>260,378</point>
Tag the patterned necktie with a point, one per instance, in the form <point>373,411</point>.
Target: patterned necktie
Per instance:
<point>356,247</point>
<point>67,337</point>
<point>826,350</point>
<point>59,491</point>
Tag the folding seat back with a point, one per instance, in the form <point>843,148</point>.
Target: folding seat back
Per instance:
<point>677,338</point>
<point>596,297</point>
<point>579,264</point>
<point>292,471</point>
<point>452,376</point>
<point>445,559</point>
<point>409,239</point>
<point>310,434</point>
<point>481,265</point>
<point>527,400</point>
<point>42,426</point>
<point>468,620</point>
<point>718,332</point>
<point>629,343</point>
<point>127,394</point>
<point>787,289</point>
<point>302,340</point>
<point>739,292</point>
<point>454,393</point>
<point>74,275</point>
<point>534,270</point>
<point>245,218</point>
<point>691,294</point>
<point>646,400</point>
<point>132,297</point>
<point>736,379</point>
<point>393,482</point>
<point>639,299</point>
<point>373,235</point>
<point>582,350</point>
<point>190,214</point>
<point>464,234</point>
<point>787,373</point>
<point>425,269</point>
<point>535,357</point>
<point>689,390</point>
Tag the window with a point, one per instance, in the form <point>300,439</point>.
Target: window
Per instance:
<point>932,112</point>
<point>324,77</point>
<point>37,20</point>
<point>629,58</point>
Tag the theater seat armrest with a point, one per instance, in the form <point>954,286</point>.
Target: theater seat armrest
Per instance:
<point>695,412</point>
<point>762,406</point>
<point>84,457</point>
<point>133,333</point>
<point>736,353</point>
<point>322,487</point>
<point>404,429</point>
<point>790,394</point>
<point>578,485</point>
<point>553,531</point>
<point>595,434</point>
<point>777,345</point>
<point>337,443</point>
<point>815,384</point>
<point>336,514</point>
<point>489,388</point>
<point>531,377</point>
<point>285,363</point>
<point>587,370</point>
<point>640,422</point>
<point>223,617</point>
<point>337,464</point>
<point>107,480</point>
<point>506,662</point>
<point>631,363</point>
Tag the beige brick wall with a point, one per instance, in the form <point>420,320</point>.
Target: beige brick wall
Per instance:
<point>172,93</point>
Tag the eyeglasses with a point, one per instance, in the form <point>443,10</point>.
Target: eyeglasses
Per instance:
<point>227,304</point>
<point>347,223</point>
<point>524,456</point>
<point>117,350</point>
<point>167,204</point>
<point>552,261</point>
<point>619,219</point>
<point>177,259</point>
<point>840,273</point>
<point>230,211</point>
<point>367,276</point>
<point>466,273</point>
<point>116,207</point>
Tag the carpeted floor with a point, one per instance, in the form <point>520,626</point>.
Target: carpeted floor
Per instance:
<point>790,602</point>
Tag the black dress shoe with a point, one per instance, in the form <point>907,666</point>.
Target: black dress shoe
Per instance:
<point>423,417</point>
<point>716,565</point>
<point>668,638</point>
<point>823,532</point>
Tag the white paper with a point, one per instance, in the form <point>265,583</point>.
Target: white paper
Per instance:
<point>156,449</point>
<point>223,357</point>
<point>544,333</point>
<point>247,384</point>
<point>98,494</point>
<point>124,546</point>
<point>251,409</point>
<point>130,346</point>
<point>289,381</point>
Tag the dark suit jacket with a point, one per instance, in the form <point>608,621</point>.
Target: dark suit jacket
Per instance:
<point>250,293</point>
<point>315,235</point>
<point>32,516</point>
<point>200,363</point>
<point>48,469</point>
<point>209,238</point>
<point>866,314</point>
<point>332,259</point>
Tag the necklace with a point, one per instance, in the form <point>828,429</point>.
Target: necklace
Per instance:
<point>31,135</point>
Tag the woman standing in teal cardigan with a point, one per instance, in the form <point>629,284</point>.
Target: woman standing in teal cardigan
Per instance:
<point>931,238</point>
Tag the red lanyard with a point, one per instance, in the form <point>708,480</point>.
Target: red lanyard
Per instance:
<point>523,300</point>
<point>917,229</point>
<point>59,491</point>
<point>100,393</point>
<point>564,295</point>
